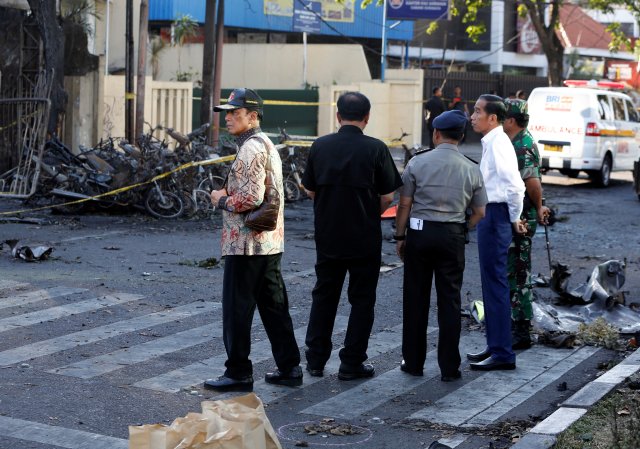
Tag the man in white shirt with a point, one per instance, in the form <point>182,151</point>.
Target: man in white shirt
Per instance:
<point>505,192</point>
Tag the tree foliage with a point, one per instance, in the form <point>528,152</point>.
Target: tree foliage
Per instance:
<point>545,18</point>
<point>619,41</point>
<point>81,12</point>
<point>184,27</point>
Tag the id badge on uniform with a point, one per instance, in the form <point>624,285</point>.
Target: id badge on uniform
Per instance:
<point>415,224</point>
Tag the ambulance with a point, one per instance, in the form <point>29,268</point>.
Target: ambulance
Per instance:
<point>585,126</point>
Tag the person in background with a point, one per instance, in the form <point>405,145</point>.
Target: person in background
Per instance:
<point>252,276</point>
<point>458,103</point>
<point>533,212</point>
<point>505,192</point>
<point>521,95</point>
<point>434,107</point>
<point>438,187</point>
<point>351,178</point>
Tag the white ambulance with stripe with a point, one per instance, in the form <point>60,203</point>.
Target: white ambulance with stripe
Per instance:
<point>583,127</point>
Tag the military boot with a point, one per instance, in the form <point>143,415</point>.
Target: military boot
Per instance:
<point>520,336</point>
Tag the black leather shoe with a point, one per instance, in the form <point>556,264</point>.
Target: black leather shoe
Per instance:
<point>492,364</point>
<point>521,344</point>
<point>315,372</point>
<point>351,373</point>
<point>452,377</point>
<point>479,356</point>
<point>224,383</point>
<point>291,378</point>
<point>413,372</point>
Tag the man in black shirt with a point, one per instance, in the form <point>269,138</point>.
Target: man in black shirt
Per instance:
<point>434,107</point>
<point>351,178</point>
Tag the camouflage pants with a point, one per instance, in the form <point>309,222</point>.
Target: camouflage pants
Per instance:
<point>519,270</point>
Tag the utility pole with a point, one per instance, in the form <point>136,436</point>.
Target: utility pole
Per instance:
<point>217,78</point>
<point>142,67</point>
<point>128,94</point>
<point>208,67</point>
<point>383,53</point>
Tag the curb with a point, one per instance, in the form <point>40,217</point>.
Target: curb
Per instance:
<point>543,435</point>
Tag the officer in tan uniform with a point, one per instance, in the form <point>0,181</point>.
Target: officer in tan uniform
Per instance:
<point>439,186</point>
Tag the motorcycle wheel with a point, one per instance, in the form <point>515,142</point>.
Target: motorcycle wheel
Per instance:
<point>291,190</point>
<point>213,183</point>
<point>171,207</point>
<point>203,204</point>
<point>189,203</point>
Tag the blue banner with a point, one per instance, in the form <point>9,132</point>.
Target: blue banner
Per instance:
<point>307,19</point>
<point>417,9</point>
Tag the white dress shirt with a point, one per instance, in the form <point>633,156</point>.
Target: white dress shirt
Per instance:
<point>499,167</point>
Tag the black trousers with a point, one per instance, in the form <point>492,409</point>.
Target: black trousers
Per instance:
<point>251,281</point>
<point>363,281</point>
<point>437,249</point>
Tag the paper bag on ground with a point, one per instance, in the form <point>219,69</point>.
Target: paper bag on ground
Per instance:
<point>237,423</point>
<point>240,423</point>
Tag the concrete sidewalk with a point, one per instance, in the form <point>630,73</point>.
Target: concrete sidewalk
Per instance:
<point>544,434</point>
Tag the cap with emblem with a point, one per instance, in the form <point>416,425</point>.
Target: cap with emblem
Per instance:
<point>241,98</point>
<point>515,106</point>
<point>450,120</point>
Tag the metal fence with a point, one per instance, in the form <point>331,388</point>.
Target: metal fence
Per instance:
<point>23,124</point>
<point>474,84</point>
<point>23,127</point>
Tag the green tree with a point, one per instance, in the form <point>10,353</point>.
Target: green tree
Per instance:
<point>536,9</point>
<point>183,28</point>
<point>552,48</point>
<point>620,41</point>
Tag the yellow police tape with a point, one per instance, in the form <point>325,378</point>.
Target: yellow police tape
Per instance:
<point>21,119</point>
<point>130,187</point>
<point>220,160</point>
<point>308,143</point>
<point>317,103</point>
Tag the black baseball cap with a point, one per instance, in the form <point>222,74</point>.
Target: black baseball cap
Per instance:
<point>241,98</point>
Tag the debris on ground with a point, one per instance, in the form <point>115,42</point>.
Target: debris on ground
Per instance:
<point>330,427</point>
<point>599,333</point>
<point>438,445</point>
<point>507,429</point>
<point>28,253</point>
<point>25,220</point>
<point>205,263</point>
<point>603,285</point>
<point>557,339</point>
<point>599,297</point>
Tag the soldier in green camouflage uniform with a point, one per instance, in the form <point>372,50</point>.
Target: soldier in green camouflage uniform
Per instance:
<point>519,259</point>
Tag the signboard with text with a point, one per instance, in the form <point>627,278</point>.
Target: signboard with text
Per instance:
<point>306,18</point>
<point>330,10</point>
<point>417,9</point>
<point>528,40</point>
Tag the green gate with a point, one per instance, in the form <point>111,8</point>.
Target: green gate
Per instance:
<point>296,119</point>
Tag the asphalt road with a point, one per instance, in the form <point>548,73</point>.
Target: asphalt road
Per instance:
<point>120,328</point>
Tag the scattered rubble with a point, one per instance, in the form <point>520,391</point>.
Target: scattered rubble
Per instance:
<point>328,426</point>
<point>28,253</point>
